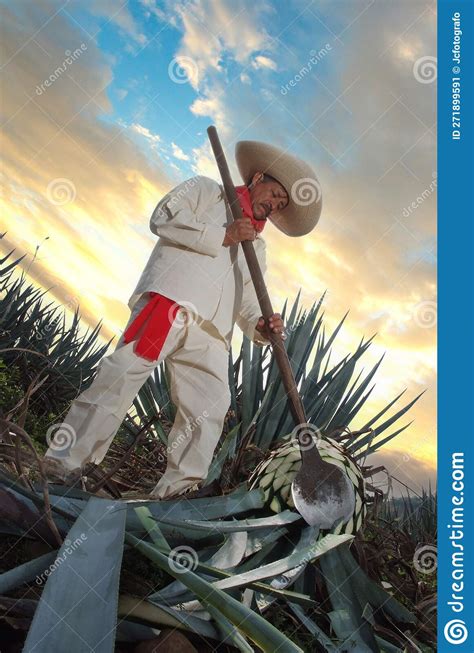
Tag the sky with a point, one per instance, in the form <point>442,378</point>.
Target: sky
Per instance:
<point>105,106</point>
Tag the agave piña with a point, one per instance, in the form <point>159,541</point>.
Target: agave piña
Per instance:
<point>275,473</point>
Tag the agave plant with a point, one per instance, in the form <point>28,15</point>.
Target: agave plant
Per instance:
<point>35,340</point>
<point>227,561</point>
<point>258,443</point>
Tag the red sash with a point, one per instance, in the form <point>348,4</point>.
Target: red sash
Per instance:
<point>156,317</point>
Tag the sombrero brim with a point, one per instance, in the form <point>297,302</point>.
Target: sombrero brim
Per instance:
<point>302,213</point>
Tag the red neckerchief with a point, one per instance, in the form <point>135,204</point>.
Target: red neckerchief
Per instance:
<point>243,194</point>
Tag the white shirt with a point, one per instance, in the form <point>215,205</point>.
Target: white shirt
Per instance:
<point>190,265</point>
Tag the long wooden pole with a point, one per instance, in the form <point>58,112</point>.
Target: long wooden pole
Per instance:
<point>279,351</point>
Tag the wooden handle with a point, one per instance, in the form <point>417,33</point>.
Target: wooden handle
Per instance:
<point>280,353</point>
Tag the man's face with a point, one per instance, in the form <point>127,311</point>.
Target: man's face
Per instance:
<point>267,197</point>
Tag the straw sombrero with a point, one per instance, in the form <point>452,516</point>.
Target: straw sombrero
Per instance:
<point>302,213</point>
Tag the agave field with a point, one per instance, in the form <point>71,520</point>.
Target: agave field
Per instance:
<point>239,570</point>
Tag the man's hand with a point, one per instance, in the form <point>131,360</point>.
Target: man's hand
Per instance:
<point>241,229</point>
<point>275,324</point>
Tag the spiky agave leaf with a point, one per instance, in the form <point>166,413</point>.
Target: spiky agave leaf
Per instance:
<point>275,474</point>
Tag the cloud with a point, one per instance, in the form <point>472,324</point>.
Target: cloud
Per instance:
<point>99,240</point>
<point>144,131</point>
<point>410,474</point>
<point>178,152</point>
<point>213,32</point>
<point>263,62</point>
<point>117,14</point>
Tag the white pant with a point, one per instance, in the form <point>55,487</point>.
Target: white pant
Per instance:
<point>197,363</point>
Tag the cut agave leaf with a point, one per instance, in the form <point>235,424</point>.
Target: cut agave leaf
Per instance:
<point>86,576</point>
<point>147,613</point>
<point>299,555</point>
<point>346,617</point>
<point>248,622</point>
<point>26,572</point>
<point>210,507</point>
<point>313,628</point>
<point>230,635</point>
<point>286,517</point>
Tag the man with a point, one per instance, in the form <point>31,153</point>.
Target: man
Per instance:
<point>194,288</point>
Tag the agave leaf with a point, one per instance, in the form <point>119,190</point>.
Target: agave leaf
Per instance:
<point>307,536</point>
<point>346,617</point>
<point>369,590</point>
<point>233,421</point>
<point>256,389</point>
<point>159,615</point>
<point>230,554</point>
<point>248,622</point>
<point>385,425</point>
<point>383,411</point>
<point>226,557</point>
<point>344,412</point>
<point>300,554</point>
<point>285,517</point>
<point>387,647</point>
<point>152,527</point>
<point>313,628</point>
<point>227,629</point>
<point>26,572</point>
<point>209,573</point>
<point>144,403</point>
<point>89,572</point>
<point>227,449</point>
<point>380,443</point>
<point>247,398</point>
<point>233,503</point>
<point>334,395</point>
